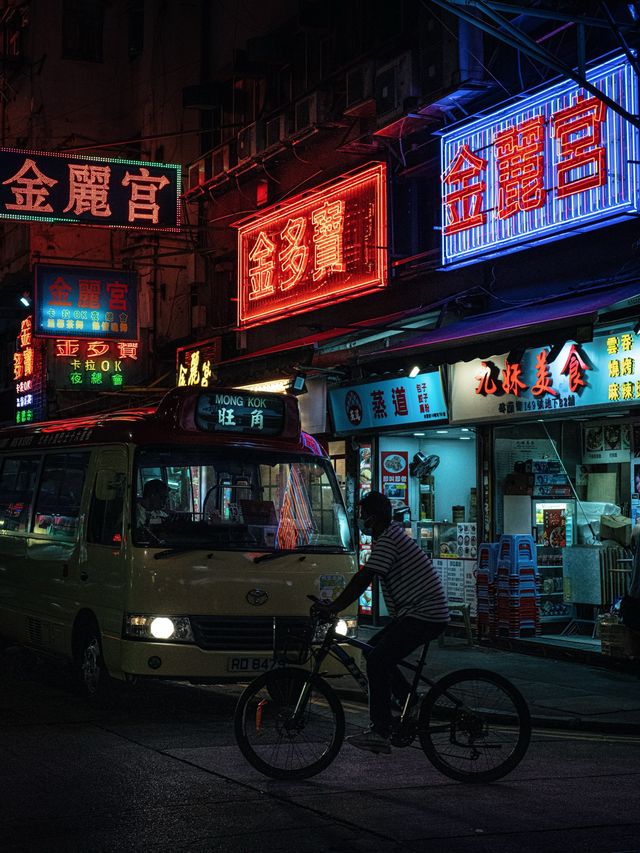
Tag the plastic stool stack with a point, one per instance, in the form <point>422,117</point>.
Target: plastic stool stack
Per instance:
<point>517,598</point>
<point>486,588</point>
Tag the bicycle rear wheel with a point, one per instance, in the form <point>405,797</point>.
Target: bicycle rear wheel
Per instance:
<point>474,726</point>
<point>268,737</point>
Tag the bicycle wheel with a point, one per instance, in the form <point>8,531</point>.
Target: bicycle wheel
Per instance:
<point>474,726</point>
<point>269,739</point>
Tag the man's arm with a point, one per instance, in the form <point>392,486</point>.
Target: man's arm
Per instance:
<point>352,591</point>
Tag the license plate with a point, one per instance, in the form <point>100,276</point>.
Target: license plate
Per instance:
<point>249,664</point>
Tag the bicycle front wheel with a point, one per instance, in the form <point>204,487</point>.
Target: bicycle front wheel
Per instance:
<point>474,726</point>
<point>277,743</point>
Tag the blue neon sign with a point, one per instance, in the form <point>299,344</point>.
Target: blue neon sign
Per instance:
<point>76,302</point>
<point>558,161</point>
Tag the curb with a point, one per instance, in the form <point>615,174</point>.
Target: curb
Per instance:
<point>576,724</point>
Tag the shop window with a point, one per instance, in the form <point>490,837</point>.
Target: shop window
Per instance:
<point>569,485</point>
<point>57,508</point>
<point>17,485</point>
<point>82,30</point>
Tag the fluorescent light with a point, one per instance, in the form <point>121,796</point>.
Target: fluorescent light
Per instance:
<point>415,370</point>
<point>442,431</point>
<point>464,429</point>
<point>465,438</point>
<point>25,300</point>
<point>418,433</point>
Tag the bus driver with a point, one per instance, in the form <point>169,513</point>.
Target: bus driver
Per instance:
<point>152,509</point>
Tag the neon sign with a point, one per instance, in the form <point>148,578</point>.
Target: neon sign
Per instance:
<point>328,245</point>
<point>94,364</point>
<point>553,162</point>
<point>80,303</point>
<point>86,190</point>
<point>195,364</point>
<point>604,372</point>
<point>28,374</point>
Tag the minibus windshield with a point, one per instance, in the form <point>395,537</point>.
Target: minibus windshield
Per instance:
<point>233,498</point>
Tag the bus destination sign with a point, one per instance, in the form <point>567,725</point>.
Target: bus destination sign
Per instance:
<point>237,412</point>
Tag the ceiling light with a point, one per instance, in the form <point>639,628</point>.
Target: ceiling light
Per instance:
<point>442,431</point>
<point>465,438</point>
<point>415,370</point>
<point>26,300</point>
<point>464,429</point>
<point>418,433</point>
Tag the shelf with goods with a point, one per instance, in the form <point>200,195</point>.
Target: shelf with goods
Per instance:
<point>553,608</point>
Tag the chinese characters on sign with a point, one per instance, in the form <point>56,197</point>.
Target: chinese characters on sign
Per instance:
<point>28,374</point>
<point>603,372</point>
<point>328,245</point>
<point>238,412</point>
<point>88,190</point>
<point>391,402</point>
<point>534,169</point>
<point>79,303</point>
<point>96,364</point>
<point>196,363</point>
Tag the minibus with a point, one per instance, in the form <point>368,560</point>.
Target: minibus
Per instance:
<point>176,541</point>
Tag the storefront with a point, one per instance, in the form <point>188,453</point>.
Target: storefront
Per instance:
<point>564,467</point>
<point>406,449</point>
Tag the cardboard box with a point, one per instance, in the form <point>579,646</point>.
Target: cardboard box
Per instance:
<point>616,527</point>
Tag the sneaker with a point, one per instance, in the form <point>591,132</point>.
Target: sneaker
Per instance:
<point>371,741</point>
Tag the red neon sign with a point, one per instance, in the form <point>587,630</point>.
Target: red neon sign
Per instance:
<point>323,247</point>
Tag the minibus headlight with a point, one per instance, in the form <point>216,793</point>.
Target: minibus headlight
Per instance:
<point>175,629</point>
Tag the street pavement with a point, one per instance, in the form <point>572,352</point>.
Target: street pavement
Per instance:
<point>560,693</point>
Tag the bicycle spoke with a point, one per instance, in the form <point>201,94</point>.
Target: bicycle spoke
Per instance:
<point>274,740</point>
<point>475,726</point>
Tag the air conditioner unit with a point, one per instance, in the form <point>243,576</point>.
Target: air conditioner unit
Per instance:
<point>308,112</point>
<point>197,174</point>
<point>359,89</point>
<point>247,143</point>
<point>275,131</point>
<point>394,83</point>
<point>220,160</point>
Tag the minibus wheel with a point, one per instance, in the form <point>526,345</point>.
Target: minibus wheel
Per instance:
<point>91,675</point>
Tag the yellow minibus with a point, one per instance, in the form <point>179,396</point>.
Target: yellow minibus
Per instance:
<point>176,541</point>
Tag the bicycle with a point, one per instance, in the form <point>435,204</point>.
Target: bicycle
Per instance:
<point>473,724</point>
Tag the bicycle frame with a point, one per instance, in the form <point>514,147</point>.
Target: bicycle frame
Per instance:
<point>332,646</point>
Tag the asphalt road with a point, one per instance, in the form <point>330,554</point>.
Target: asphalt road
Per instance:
<point>158,771</point>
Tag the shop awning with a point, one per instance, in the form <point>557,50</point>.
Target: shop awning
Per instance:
<point>532,324</point>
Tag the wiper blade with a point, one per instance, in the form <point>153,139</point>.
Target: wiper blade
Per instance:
<point>174,552</point>
<point>306,549</point>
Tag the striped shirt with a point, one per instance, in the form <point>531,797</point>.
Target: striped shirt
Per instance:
<point>409,582</point>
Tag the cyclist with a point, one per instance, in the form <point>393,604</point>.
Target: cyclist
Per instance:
<point>416,601</point>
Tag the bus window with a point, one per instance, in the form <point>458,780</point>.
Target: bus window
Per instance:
<point>249,499</point>
<point>58,502</point>
<point>105,515</point>
<point>17,485</point>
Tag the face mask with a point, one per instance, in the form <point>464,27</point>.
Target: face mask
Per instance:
<point>364,525</point>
